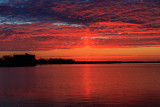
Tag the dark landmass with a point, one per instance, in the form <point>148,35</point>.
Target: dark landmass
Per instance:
<point>29,60</point>
<point>18,60</point>
<point>70,61</point>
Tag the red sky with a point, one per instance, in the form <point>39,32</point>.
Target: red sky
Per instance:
<point>81,30</point>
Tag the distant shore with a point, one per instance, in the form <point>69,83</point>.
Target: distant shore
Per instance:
<point>101,62</point>
<point>77,62</point>
<point>29,60</point>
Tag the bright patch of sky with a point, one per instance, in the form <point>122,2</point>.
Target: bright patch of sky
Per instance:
<point>7,1</point>
<point>66,24</point>
<point>4,1</point>
<point>13,21</point>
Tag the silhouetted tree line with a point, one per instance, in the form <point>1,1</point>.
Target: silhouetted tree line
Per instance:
<point>12,61</point>
<point>7,60</point>
<point>71,61</point>
<point>27,61</point>
<point>55,61</point>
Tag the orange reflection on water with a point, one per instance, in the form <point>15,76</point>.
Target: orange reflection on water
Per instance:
<point>87,81</point>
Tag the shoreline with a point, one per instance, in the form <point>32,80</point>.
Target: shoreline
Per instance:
<point>81,62</point>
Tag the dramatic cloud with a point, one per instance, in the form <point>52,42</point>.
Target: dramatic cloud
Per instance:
<point>62,24</point>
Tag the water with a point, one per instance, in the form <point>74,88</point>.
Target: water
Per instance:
<point>90,85</point>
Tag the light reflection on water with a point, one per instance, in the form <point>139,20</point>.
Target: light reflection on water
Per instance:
<point>111,85</point>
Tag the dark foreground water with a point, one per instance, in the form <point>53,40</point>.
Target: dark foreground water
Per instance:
<point>100,85</point>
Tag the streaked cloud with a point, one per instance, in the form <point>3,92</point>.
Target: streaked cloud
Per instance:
<point>62,24</point>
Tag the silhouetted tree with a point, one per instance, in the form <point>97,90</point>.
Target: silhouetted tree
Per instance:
<point>7,60</point>
<point>7,57</point>
<point>42,61</point>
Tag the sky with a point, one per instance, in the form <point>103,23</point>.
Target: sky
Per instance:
<point>81,29</point>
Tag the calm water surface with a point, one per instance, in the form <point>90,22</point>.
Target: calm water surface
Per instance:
<point>90,85</point>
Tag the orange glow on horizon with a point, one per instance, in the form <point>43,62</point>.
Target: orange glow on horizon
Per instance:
<point>97,54</point>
